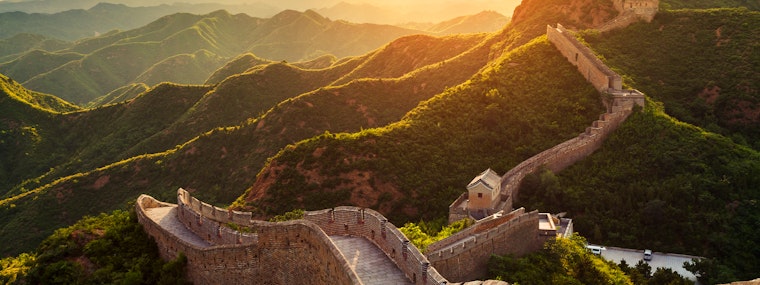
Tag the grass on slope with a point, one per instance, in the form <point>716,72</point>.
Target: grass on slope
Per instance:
<point>662,184</point>
<point>711,81</point>
<point>530,100</point>
<point>26,126</point>
<point>104,249</point>
<point>236,66</point>
<point>122,94</point>
<point>81,141</point>
<point>410,53</point>
<point>240,98</point>
<point>115,60</point>
<point>195,68</point>
<point>35,62</point>
<point>22,42</point>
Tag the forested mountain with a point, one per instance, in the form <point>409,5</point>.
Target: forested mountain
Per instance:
<point>399,128</point>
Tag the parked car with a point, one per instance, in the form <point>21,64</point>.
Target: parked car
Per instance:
<point>648,254</point>
<point>596,249</point>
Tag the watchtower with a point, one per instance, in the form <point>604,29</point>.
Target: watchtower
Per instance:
<point>645,9</point>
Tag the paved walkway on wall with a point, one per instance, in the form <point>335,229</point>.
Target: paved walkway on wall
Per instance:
<point>369,262</point>
<point>166,217</point>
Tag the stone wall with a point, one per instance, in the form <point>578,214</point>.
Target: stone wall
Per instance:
<point>631,11</point>
<point>467,258</point>
<point>565,154</point>
<point>644,9</point>
<point>296,252</point>
<point>588,64</point>
<point>479,226</point>
<point>353,221</point>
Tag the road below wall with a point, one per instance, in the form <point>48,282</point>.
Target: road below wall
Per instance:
<point>659,259</point>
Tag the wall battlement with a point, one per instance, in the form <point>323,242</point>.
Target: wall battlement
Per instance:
<point>294,252</point>
<point>593,69</point>
<point>271,256</point>
<point>376,228</point>
<point>464,256</point>
<point>631,11</point>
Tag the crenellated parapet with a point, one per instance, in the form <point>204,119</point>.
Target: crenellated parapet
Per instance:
<point>464,256</point>
<point>588,64</point>
<point>631,11</point>
<point>367,223</point>
<point>269,255</point>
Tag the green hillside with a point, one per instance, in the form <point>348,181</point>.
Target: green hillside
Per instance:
<point>22,42</point>
<point>321,62</point>
<point>25,131</point>
<point>698,196</point>
<point>410,53</point>
<point>104,249</point>
<point>122,94</point>
<point>390,168</point>
<point>195,69</point>
<point>68,143</point>
<point>713,79</point>
<point>483,21</point>
<point>235,66</point>
<point>123,61</point>
<point>36,62</point>
<point>241,149</point>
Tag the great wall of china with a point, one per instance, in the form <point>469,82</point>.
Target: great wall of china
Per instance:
<point>228,247</point>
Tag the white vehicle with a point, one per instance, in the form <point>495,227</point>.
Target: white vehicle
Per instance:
<point>596,249</point>
<point>647,254</point>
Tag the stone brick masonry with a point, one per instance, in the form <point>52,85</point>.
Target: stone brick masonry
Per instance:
<point>296,252</point>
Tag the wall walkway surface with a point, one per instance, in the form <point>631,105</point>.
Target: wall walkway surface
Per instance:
<point>295,252</point>
<point>353,221</point>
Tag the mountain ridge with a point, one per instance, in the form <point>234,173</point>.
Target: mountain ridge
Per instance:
<point>116,59</point>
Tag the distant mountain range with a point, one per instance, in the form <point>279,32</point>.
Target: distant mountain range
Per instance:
<point>93,67</point>
<point>190,6</point>
<point>101,18</point>
<point>420,12</point>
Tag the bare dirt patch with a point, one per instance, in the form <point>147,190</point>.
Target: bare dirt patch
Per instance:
<point>710,94</point>
<point>744,113</point>
<point>102,181</point>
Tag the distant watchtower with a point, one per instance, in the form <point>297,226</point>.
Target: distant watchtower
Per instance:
<point>644,9</point>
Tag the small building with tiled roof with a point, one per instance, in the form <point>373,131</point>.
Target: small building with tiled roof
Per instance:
<point>483,192</point>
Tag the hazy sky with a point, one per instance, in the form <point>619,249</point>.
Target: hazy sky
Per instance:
<point>402,10</point>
